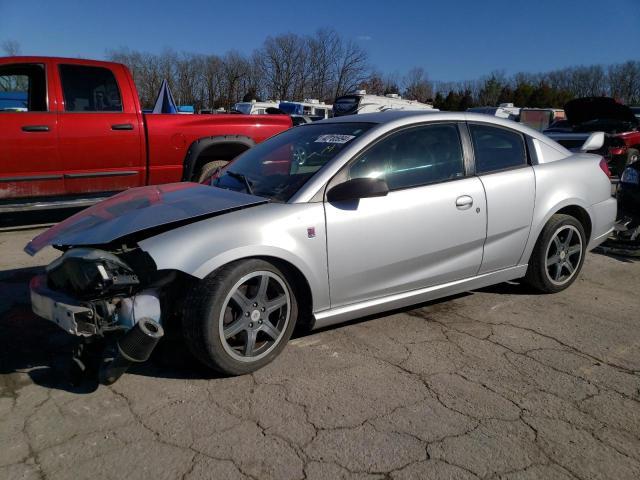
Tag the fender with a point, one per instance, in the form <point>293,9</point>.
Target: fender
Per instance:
<point>200,145</point>
<point>539,223</point>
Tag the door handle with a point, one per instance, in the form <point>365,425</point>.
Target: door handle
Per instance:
<point>122,126</point>
<point>464,202</point>
<point>35,128</point>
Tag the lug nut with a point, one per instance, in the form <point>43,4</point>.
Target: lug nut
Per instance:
<point>246,314</point>
<point>250,324</point>
<point>259,322</point>
<point>255,304</point>
<point>262,309</point>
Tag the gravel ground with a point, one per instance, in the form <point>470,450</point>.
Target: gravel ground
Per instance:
<point>497,383</point>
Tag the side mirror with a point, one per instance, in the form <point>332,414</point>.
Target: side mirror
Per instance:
<point>358,188</point>
<point>594,142</point>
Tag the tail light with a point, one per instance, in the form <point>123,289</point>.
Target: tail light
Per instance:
<point>604,166</point>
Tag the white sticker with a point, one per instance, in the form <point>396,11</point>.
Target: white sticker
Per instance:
<point>334,138</point>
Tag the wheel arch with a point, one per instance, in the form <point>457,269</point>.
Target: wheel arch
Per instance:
<point>221,147</point>
<point>571,206</point>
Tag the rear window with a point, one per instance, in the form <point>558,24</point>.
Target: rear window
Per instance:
<point>89,89</point>
<point>497,149</point>
<point>23,88</point>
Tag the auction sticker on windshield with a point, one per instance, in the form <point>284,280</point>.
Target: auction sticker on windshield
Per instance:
<point>334,138</point>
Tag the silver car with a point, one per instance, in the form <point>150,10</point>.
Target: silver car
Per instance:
<point>320,224</point>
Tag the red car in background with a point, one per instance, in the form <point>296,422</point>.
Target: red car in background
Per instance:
<point>600,114</point>
<point>73,132</point>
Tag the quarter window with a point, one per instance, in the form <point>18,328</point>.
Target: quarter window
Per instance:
<point>23,88</point>
<point>497,148</point>
<point>413,157</point>
<point>89,89</point>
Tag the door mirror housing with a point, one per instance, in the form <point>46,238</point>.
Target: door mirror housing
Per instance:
<point>357,188</point>
<point>594,142</point>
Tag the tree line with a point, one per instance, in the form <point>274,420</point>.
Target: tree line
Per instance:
<point>325,64</point>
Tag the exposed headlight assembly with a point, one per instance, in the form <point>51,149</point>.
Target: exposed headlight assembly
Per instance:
<point>90,273</point>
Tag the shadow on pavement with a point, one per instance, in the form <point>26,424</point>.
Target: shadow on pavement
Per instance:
<point>33,346</point>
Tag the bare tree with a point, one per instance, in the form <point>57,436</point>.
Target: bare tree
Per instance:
<point>417,85</point>
<point>11,48</point>
<point>349,67</point>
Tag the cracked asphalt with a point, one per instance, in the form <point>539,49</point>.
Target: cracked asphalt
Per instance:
<point>494,384</point>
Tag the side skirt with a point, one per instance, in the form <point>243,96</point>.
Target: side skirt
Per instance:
<point>413,297</point>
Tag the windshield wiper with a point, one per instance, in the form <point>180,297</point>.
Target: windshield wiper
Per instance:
<point>243,178</point>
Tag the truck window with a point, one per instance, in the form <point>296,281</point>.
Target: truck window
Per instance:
<point>23,88</point>
<point>89,89</point>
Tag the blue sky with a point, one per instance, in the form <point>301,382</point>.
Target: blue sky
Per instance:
<point>452,40</point>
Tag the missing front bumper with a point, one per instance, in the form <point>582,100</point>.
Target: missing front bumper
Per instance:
<point>73,317</point>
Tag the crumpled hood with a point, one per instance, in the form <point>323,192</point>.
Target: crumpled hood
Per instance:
<point>585,109</point>
<point>139,209</point>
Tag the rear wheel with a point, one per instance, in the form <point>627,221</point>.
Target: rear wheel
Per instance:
<point>209,169</point>
<point>240,317</point>
<point>558,255</point>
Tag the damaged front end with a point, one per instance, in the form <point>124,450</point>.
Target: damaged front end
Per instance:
<point>109,300</point>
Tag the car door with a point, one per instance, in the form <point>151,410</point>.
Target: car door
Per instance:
<point>503,167</point>
<point>100,132</point>
<point>29,161</point>
<point>429,229</point>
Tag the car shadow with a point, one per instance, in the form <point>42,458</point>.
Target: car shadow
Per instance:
<point>34,348</point>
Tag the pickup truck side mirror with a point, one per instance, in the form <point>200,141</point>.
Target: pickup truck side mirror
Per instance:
<point>594,142</point>
<point>358,188</point>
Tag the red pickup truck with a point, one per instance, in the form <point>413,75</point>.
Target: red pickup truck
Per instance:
<point>72,132</point>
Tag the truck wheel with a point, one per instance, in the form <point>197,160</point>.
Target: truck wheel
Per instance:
<point>558,255</point>
<point>240,317</point>
<point>208,169</point>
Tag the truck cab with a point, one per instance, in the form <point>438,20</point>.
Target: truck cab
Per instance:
<point>72,132</point>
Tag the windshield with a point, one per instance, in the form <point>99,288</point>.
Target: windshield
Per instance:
<point>346,105</point>
<point>277,168</point>
<point>243,108</point>
<point>291,108</point>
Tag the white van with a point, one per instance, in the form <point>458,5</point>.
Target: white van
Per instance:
<point>361,102</point>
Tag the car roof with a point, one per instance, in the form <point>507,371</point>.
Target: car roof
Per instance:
<point>399,118</point>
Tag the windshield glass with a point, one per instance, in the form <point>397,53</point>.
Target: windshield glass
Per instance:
<point>243,107</point>
<point>291,108</point>
<point>346,105</point>
<point>277,168</point>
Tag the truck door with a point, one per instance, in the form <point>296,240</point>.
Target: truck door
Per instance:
<point>101,136</point>
<point>29,162</point>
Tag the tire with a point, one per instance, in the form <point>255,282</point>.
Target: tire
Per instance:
<point>208,169</point>
<point>552,252</point>
<point>211,308</point>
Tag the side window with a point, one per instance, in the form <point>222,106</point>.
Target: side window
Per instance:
<point>89,89</point>
<point>497,148</point>
<point>23,88</point>
<point>413,157</point>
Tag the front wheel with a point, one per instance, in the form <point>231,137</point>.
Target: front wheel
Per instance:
<point>209,169</point>
<point>558,255</point>
<point>240,317</point>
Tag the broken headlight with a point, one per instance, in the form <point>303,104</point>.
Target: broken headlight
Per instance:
<point>89,273</point>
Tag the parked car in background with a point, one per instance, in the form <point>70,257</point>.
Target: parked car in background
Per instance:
<point>504,110</point>
<point>305,228</point>
<point>540,118</point>
<point>82,135</point>
<point>592,114</point>
<point>311,108</point>
<point>255,108</point>
<point>361,102</point>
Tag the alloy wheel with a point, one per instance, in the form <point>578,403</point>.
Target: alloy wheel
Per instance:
<point>564,254</point>
<point>254,316</point>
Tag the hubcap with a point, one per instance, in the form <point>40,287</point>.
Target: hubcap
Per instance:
<point>254,316</point>
<point>563,255</point>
